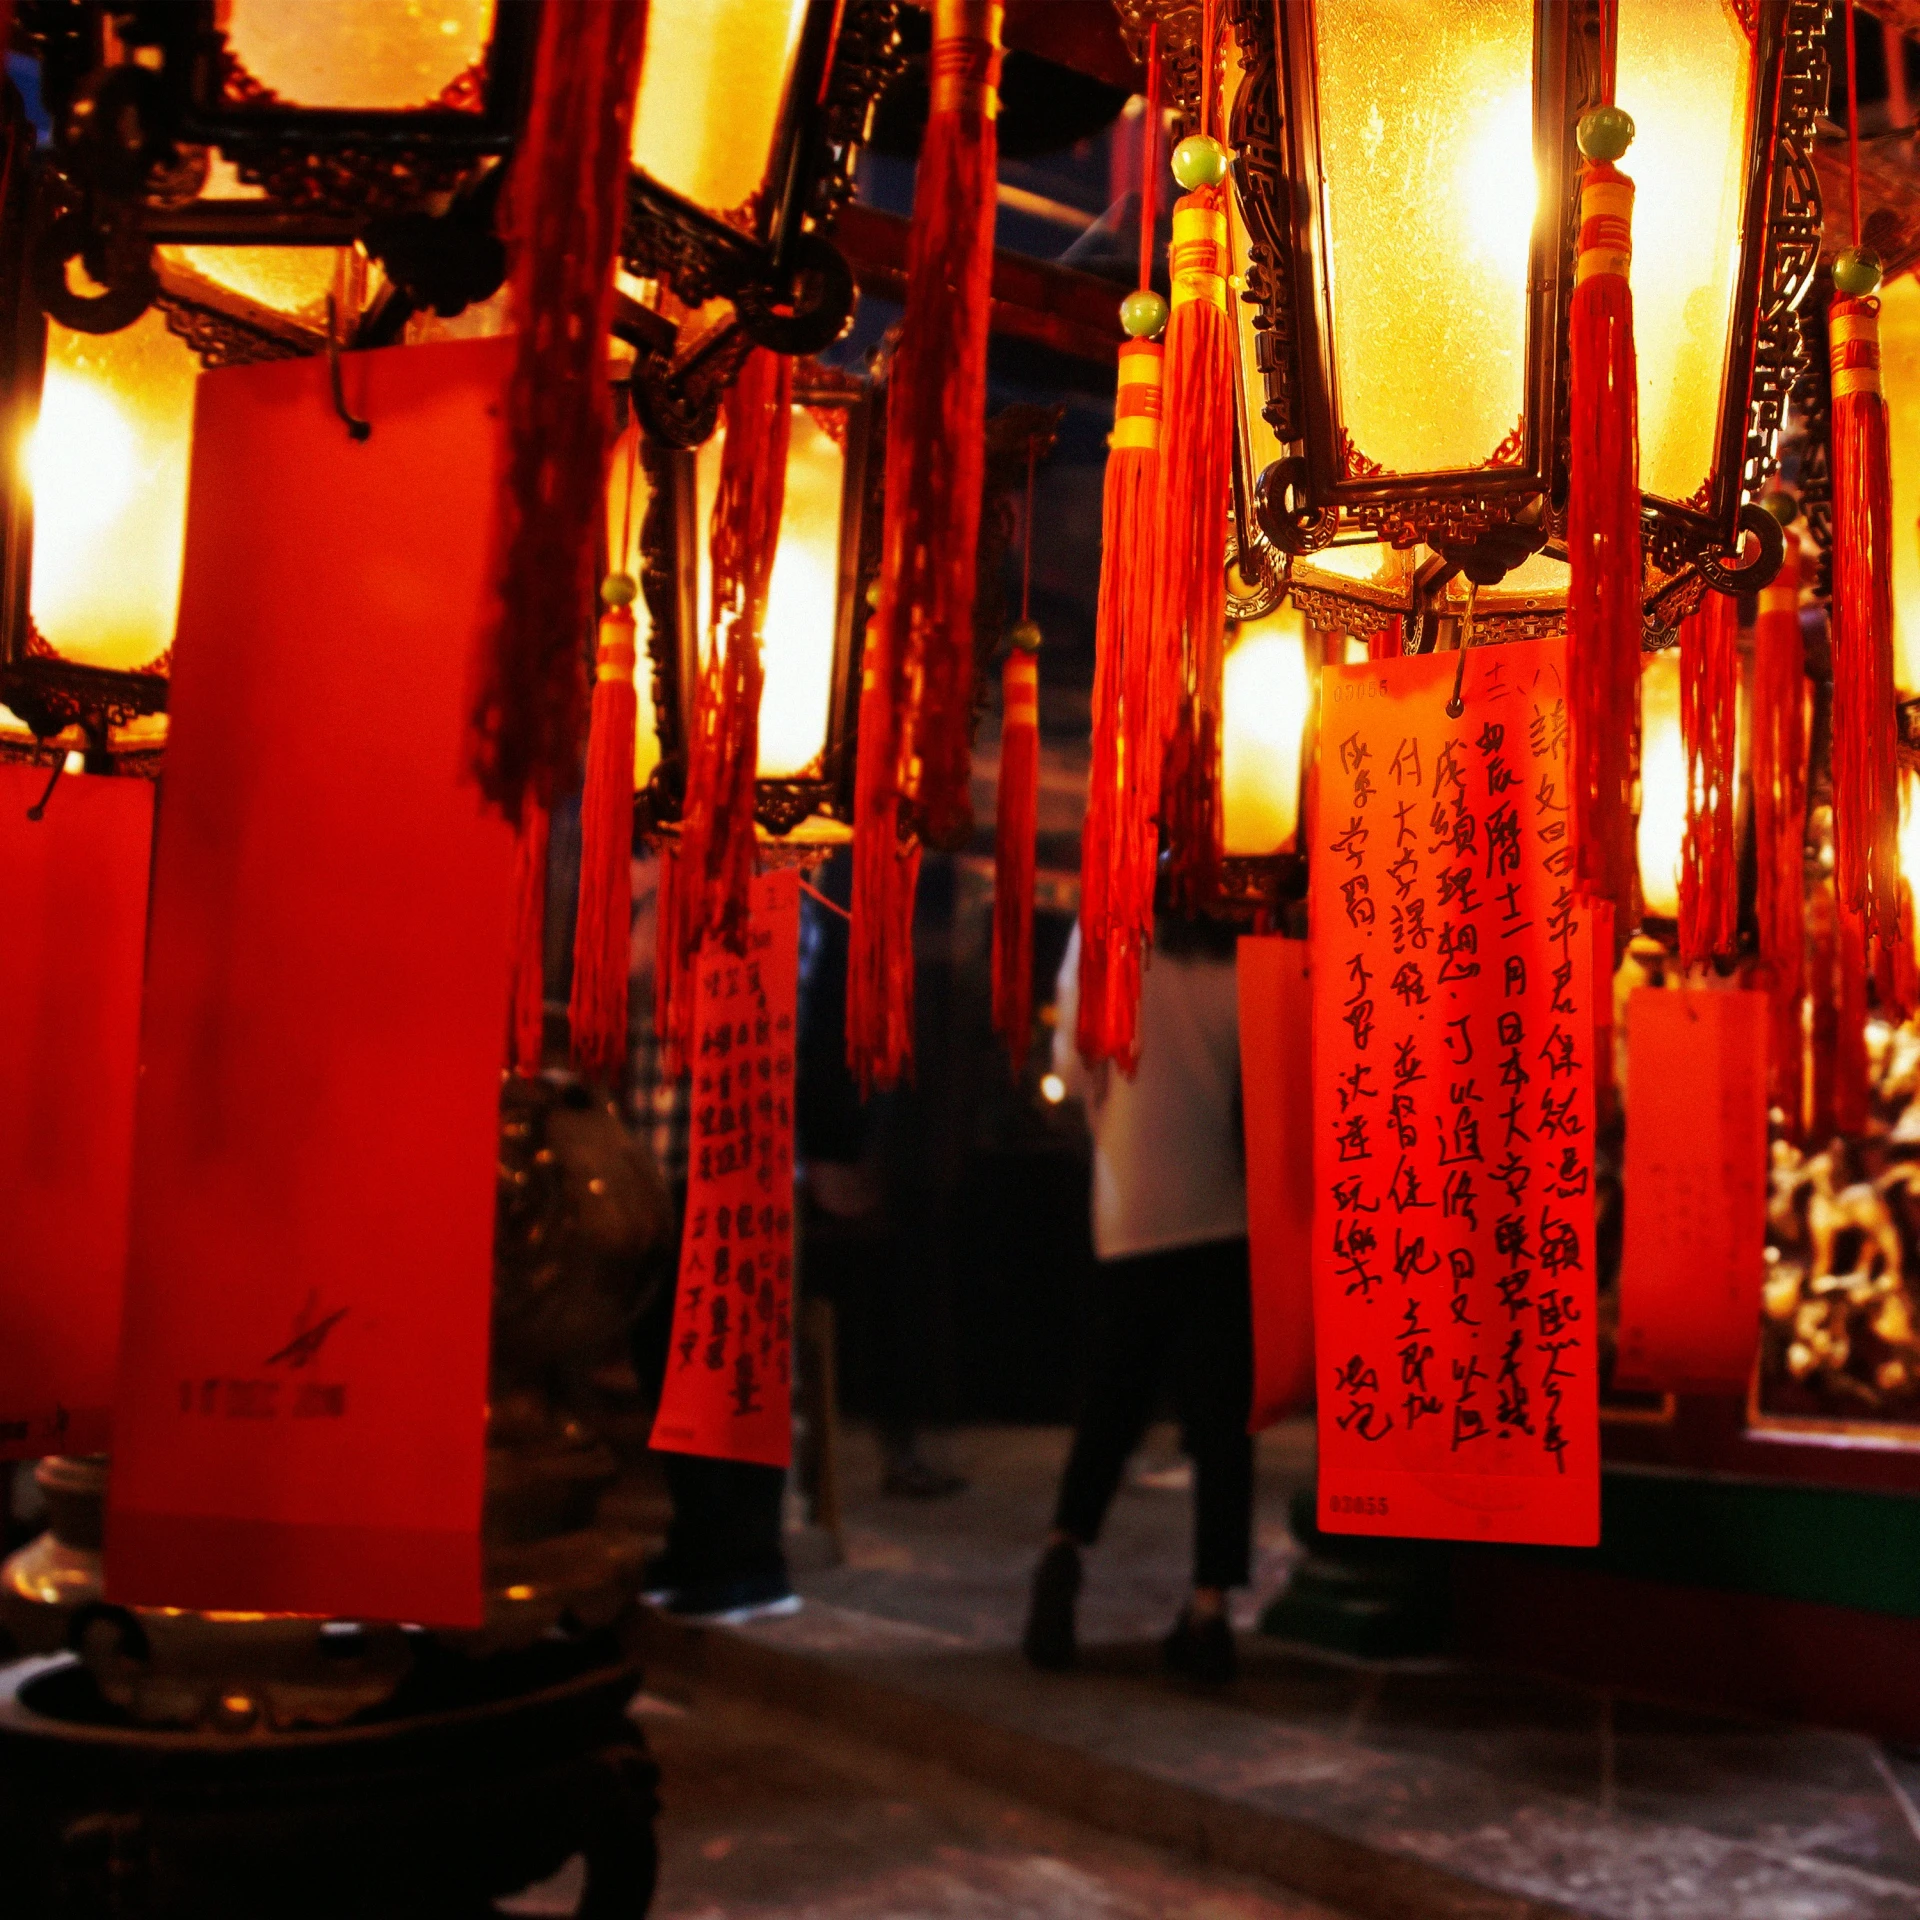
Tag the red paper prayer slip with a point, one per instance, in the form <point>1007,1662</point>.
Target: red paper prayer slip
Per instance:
<point>1277,1105</point>
<point>1696,1190</point>
<point>1453,1106</point>
<point>75,884</point>
<point>728,1390</point>
<point>300,1421</point>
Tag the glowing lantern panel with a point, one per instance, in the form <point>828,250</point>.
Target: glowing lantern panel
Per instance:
<point>359,55</point>
<point>712,90</point>
<point>1426,141</point>
<point>1686,76</point>
<point>1663,785</point>
<point>107,466</point>
<point>1266,695</point>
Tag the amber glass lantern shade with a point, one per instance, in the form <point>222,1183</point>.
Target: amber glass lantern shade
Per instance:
<point>429,83</point>
<point>1900,382</point>
<point>814,621</point>
<point>1663,786</point>
<point>1266,701</point>
<point>1409,183</point>
<point>740,147</point>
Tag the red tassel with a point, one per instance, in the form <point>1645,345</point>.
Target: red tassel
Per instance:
<point>916,704</point>
<point>1823,1024</point>
<point>715,860</point>
<point>1015,823</point>
<point>886,868</point>
<point>1190,559</point>
<point>1603,543</point>
<point>1709,724</point>
<point>1850,1106</point>
<point>1779,830</point>
<point>530,940</point>
<point>936,417</point>
<point>1118,842</point>
<point>597,1009</point>
<point>568,200</point>
<point>1866,795</point>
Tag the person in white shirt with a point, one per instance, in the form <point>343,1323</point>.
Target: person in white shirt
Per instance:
<point>1172,1306</point>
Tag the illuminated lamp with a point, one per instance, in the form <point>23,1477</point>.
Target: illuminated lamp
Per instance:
<point>828,551</point>
<point>1267,703</point>
<point>1407,191</point>
<point>1663,790</point>
<point>1900,381</point>
<point>744,132</point>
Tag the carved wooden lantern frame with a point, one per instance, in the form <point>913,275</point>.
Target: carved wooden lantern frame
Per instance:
<point>850,409</point>
<point>1303,486</point>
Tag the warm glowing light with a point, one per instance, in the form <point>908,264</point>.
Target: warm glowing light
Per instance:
<point>1052,1089</point>
<point>1910,829</point>
<point>627,497</point>
<point>1686,76</point>
<point>798,634</point>
<point>1663,785</point>
<point>373,55</point>
<point>107,464</point>
<point>1900,379</point>
<point>712,87</point>
<point>1426,138</point>
<point>1265,700</point>
<point>1502,188</point>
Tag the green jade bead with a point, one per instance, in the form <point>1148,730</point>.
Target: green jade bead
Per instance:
<point>1025,637</point>
<point>1143,314</point>
<point>1605,133</point>
<point>618,590</point>
<point>1199,161</point>
<point>1856,272</point>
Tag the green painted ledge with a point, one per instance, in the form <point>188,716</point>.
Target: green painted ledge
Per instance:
<point>1836,1546</point>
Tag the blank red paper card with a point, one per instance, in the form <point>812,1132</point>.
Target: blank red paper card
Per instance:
<point>75,887</point>
<point>728,1389</point>
<point>1453,1105</point>
<point>1696,1190</point>
<point>1277,1103</point>
<point>299,1425</point>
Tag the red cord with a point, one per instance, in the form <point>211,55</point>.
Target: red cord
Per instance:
<point>1206,66</point>
<point>1026,557</point>
<point>1150,158</point>
<point>1853,122</point>
<point>1609,49</point>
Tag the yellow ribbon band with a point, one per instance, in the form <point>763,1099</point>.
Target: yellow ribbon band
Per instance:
<point>964,67</point>
<point>1197,262</point>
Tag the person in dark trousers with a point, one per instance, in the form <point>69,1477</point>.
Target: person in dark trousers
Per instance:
<point>1172,1306</point>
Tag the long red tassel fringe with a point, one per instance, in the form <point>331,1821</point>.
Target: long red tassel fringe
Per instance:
<point>1850,1101</point>
<point>919,659</point>
<point>1603,543</point>
<point>1190,561</point>
<point>1779,831</point>
<point>1866,795</point>
<point>715,859</point>
<point>597,1007</point>
<point>568,200</point>
<point>1015,823</point>
<point>1709,725</point>
<point>1118,840</point>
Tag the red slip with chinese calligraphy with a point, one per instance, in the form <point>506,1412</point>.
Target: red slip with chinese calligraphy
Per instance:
<point>1276,1046</point>
<point>299,1425</point>
<point>1696,1189</point>
<point>1453,1105</point>
<point>728,1389</point>
<point>75,884</point>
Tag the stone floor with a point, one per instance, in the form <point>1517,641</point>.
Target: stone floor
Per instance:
<point>1399,1789</point>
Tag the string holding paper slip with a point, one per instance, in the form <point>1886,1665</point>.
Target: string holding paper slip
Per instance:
<point>1453,1105</point>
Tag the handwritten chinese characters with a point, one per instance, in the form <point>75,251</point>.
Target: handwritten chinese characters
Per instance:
<point>1453,1106</point>
<point>729,1367</point>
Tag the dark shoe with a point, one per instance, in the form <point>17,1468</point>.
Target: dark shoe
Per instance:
<point>659,1578</point>
<point>912,1478</point>
<point>731,1603</point>
<point>1201,1650</point>
<point>1048,1641</point>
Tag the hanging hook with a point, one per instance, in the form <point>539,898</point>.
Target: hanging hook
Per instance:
<point>357,429</point>
<point>1457,706</point>
<point>38,811</point>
